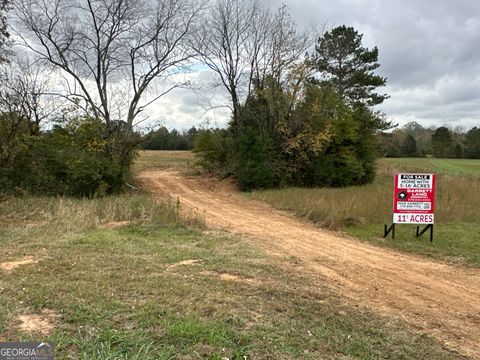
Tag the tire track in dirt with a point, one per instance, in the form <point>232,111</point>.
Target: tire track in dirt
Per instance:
<point>437,298</point>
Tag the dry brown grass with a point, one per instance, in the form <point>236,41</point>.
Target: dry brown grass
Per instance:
<point>457,199</point>
<point>69,214</point>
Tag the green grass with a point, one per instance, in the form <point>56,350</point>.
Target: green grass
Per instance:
<point>441,166</point>
<point>123,293</point>
<point>455,243</point>
<point>361,211</point>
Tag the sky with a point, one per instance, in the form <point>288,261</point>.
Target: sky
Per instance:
<point>428,51</point>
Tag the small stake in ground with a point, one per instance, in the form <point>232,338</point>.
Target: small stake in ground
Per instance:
<point>429,226</point>
<point>388,230</point>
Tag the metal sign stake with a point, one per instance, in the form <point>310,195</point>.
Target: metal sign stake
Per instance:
<point>428,227</point>
<point>388,230</point>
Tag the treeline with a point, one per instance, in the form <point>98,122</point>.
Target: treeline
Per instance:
<point>163,139</point>
<point>413,140</point>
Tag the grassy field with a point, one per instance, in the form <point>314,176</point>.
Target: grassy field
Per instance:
<point>126,278</point>
<point>361,211</point>
<point>158,160</point>
<point>441,166</point>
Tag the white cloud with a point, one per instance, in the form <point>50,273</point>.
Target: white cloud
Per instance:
<point>196,105</point>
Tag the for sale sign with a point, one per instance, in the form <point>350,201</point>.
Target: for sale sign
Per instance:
<point>413,199</point>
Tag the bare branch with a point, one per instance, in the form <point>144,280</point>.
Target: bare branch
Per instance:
<point>99,44</point>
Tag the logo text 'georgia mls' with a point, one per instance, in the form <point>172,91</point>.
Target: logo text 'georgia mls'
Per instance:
<point>26,351</point>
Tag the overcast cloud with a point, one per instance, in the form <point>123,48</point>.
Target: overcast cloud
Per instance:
<point>429,51</point>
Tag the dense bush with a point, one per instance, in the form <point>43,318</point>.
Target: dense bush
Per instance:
<point>320,142</point>
<point>212,148</point>
<point>255,165</point>
<point>73,159</point>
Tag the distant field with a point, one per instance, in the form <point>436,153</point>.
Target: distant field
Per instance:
<point>361,211</point>
<point>442,166</point>
<point>155,160</point>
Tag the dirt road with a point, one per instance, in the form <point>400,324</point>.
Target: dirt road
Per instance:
<point>437,298</point>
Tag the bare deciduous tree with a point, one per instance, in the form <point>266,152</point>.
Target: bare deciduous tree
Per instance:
<point>4,34</point>
<point>24,104</point>
<point>226,44</point>
<point>244,44</point>
<point>99,45</point>
<point>24,92</point>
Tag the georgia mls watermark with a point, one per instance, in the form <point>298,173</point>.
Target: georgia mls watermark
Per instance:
<point>26,351</point>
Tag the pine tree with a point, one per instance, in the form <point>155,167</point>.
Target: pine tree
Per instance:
<point>409,148</point>
<point>472,143</point>
<point>348,66</point>
<point>442,142</point>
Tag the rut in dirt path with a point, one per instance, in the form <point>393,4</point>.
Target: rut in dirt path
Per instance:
<point>437,298</point>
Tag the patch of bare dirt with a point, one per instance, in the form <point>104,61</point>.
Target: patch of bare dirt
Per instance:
<point>184,263</point>
<point>43,323</point>
<point>10,265</point>
<point>434,297</point>
<point>230,277</point>
<point>114,224</point>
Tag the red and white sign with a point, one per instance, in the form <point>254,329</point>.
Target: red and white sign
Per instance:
<point>414,199</point>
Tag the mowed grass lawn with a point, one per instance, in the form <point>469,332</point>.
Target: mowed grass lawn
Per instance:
<point>125,277</point>
<point>361,211</point>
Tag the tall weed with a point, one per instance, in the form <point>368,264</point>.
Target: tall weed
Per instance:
<point>71,214</point>
<point>457,199</point>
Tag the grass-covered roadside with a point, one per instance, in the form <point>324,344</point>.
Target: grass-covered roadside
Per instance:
<point>361,211</point>
<point>126,278</point>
